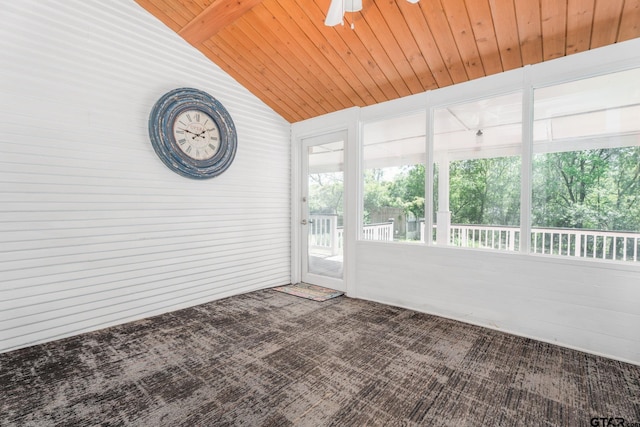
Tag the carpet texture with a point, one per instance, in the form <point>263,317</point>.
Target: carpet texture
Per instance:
<point>271,359</point>
<point>312,292</point>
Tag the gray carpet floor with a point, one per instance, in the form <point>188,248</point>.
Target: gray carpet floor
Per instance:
<point>271,359</point>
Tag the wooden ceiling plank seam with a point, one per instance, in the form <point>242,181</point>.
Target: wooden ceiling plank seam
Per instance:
<point>215,17</point>
<point>255,86</point>
<point>301,35</point>
<point>319,39</point>
<point>255,45</point>
<point>529,30</point>
<point>630,22</point>
<point>174,10</point>
<point>161,15</point>
<point>294,38</point>
<point>283,98</point>
<point>505,25</point>
<point>179,8</point>
<point>282,106</point>
<point>406,43</point>
<point>482,25</point>
<point>349,56</point>
<point>268,98</point>
<point>286,72</point>
<point>266,72</point>
<point>460,25</point>
<point>203,4</point>
<point>606,22</point>
<point>345,80</point>
<point>579,25</point>
<point>426,43</point>
<point>302,63</point>
<point>367,37</point>
<point>193,7</point>
<point>436,19</point>
<point>553,14</point>
<point>376,64</point>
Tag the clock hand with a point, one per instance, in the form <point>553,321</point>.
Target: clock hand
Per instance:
<point>188,131</point>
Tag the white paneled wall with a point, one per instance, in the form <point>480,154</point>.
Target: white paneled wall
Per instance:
<point>590,306</point>
<point>94,229</point>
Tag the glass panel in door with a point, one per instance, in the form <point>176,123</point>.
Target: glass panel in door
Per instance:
<point>323,210</point>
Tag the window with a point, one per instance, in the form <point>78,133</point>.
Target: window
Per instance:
<point>477,162</point>
<point>584,174</point>
<point>393,178</point>
<point>586,168</point>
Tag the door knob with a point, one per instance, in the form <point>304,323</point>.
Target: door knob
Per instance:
<point>303,222</point>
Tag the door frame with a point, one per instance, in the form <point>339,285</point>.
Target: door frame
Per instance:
<point>344,120</point>
<point>305,143</point>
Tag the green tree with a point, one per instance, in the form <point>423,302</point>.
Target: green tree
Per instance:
<point>326,192</point>
<point>485,191</point>
<point>376,192</point>
<point>592,189</point>
<point>407,190</point>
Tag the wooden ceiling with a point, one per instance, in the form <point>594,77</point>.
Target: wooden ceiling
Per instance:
<point>283,53</point>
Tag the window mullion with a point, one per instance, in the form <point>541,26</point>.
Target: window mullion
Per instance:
<point>526,162</point>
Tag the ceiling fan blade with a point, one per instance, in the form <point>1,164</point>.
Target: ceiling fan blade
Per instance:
<point>335,13</point>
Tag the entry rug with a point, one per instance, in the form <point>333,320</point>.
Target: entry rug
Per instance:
<point>312,292</point>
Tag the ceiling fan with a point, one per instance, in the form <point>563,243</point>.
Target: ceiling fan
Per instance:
<point>337,9</point>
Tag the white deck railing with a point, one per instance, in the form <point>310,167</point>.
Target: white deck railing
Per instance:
<point>382,231</point>
<point>611,245</point>
<point>323,234</point>
<point>326,237</point>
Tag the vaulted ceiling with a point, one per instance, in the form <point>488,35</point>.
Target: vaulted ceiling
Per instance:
<point>283,53</point>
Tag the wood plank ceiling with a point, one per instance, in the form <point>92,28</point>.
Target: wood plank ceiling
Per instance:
<point>283,53</point>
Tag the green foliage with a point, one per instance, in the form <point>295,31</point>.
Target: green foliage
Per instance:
<point>376,193</point>
<point>407,190</point>
<point>485,191</point>
<point>591,189</point>
<point>326,192</point>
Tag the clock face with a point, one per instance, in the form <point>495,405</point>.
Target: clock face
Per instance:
<point>196,134</point>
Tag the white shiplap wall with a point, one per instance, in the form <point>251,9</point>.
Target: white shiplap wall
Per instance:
<point>94,229</point>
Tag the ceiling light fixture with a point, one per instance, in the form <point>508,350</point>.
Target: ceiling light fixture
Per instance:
<point>337,9</point>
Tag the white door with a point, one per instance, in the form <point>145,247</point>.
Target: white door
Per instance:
<point>322,210</point>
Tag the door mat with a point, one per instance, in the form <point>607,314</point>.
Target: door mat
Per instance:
<point>312,292</point>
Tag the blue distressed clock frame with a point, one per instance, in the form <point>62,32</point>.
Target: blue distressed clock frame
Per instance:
<point>161,121</point>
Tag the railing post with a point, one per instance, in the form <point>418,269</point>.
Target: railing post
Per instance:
<point>512,239</point>
<point>578,246</point>
<point>334,234</point>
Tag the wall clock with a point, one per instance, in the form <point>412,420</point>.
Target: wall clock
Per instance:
<point>192,133</point>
